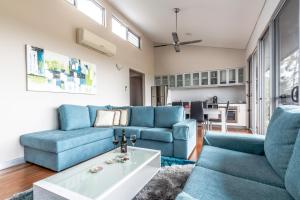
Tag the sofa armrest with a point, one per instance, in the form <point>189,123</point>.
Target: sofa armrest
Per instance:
<point>185,129</point>
<point>247,143</point>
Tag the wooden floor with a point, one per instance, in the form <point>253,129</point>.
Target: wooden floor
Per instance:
<point>21,177</point>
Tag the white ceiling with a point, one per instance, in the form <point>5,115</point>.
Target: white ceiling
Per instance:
<point>219,23</point>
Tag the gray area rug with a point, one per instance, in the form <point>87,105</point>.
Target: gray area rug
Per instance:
<point>165,185</point>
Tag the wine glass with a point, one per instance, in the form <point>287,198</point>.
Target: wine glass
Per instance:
<point>133,139</point>
<point>115,141</point>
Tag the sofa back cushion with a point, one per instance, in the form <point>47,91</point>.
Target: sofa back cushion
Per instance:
<point>292,180</point>
<point>167,116</point>
<point>142,116</point>
<point>281,136</point>
<point>93,112</point>
<point>73,117</point>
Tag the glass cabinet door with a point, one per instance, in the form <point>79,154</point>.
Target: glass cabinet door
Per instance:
<point>187,80</point>
<point>223,77</point>
<point>241,75</point>
<point>157,81</point>
<point>172,81</point>
<point>232,76</point>
<point>179,80</point>
<point>165,80</point>
<point>196,79</point>
<point>214,77</point>
<point>204,78</point>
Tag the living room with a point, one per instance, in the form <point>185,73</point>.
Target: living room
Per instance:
<point>137,99</point>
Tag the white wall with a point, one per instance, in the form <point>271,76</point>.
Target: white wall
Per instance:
<point>262,22</point>
<point>51,24</point>
<point>195,59</point>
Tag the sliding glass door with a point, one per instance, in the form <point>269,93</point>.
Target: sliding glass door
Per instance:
<point>274,67</point>
<point>287,54</point>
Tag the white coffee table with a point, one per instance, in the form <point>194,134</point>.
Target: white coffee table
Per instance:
<point>115,182</point>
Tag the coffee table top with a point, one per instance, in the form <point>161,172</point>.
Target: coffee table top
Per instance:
<point>80,180</point>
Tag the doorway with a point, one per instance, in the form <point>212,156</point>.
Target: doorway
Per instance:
<point>137,80</point>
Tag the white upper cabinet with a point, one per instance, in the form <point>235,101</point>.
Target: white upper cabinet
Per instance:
<point>165,80</point>
<point>223,77</point>
<point>187,80</point>
<point>215,78</point>
<point>196,79</point>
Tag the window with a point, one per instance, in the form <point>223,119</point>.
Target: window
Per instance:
<point>123,32</point>
<point>118,28</point>
<point>133,39</point>
<point>91,8</point>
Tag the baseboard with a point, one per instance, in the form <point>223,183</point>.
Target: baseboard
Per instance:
<point>11,163</point>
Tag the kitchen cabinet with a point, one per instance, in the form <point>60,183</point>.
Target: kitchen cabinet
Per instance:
<point>241,75</point>
<point>172,81</point>
<point>223,77</point>
<point>179,80</point>
<point>213,77</point>
<point>232,76</point>
<point>204,78</point>
<point>157,80</point>
<point>196,79</point>
<point>187,80</point>
<point>164,80</point>
<point>240,111</point>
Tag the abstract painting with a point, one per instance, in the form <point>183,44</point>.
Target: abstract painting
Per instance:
<point>52,72</point>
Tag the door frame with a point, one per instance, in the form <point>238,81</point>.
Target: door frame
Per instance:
<point>143,84</point>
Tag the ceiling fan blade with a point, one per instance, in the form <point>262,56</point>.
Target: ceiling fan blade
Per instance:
<point>162,45</point>
<point>175,37</point>
<point>177,48</point>
<point>190,42</point>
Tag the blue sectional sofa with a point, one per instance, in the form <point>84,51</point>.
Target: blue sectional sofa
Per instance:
<point>246,167</point>
<point>161,128</point>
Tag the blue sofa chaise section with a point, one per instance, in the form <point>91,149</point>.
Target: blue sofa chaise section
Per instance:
<point>247,167</point>
<point>161,128</point>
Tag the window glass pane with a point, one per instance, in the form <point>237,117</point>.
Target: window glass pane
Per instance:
<point>266,45</point>
<point>133,39</point>
<point>91,9</point>
<point>118,28</point>
<point>288,49</point>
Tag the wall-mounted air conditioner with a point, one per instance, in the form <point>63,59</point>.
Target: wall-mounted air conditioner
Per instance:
<point>91,40</point>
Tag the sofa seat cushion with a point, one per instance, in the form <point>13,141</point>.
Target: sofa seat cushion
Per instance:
<point>58,141</point>
<point>244,165</point>
<point>142,116</point>
<point>167,116</point>
<point>207,184</point>
<point>157,134</point>
<point>129,130</point>
<point>281,136</point>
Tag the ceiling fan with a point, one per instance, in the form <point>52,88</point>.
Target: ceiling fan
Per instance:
<point>176,42</point>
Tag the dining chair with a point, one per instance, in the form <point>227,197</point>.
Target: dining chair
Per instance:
<point>198,114</point>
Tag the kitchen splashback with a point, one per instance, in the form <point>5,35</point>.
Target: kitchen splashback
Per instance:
<point>235,94</point>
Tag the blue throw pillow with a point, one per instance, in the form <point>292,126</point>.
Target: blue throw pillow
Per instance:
<point>73,117</point>
<point>281,136</point>
<point>167,116</point>
<point>142,116</point>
